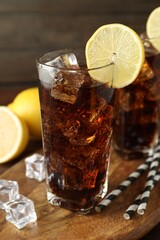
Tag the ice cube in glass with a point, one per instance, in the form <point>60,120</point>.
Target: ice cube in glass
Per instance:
<point>20,211</point>
<point>8,191</point>
<point>66,88</point>
<point>49,73</point>
<point>35,167</point>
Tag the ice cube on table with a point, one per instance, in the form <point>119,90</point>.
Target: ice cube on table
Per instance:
<point>35,167</point>
<point>20,211</point>
<point>49,72</point>
<point>8,191</point>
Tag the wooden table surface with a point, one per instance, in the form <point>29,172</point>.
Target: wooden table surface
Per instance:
<point>6,96</point>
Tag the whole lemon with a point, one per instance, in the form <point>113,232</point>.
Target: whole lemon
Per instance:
<point>26,105</point>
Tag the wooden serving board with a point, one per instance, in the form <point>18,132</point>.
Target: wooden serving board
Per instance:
<point>60,224</point>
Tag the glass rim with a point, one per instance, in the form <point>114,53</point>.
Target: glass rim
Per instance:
<point>151,44</point>
<point>40,62</point>
<point>145,37</point>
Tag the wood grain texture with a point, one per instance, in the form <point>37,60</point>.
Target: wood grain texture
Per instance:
<point>30,28</point>
<point>60,224</point>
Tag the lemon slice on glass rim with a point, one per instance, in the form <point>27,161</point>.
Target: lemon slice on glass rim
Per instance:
<point>119,47</point>
<point>153,28</point>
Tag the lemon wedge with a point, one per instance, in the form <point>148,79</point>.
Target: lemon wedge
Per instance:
<point>13,135</point>
<point>119,47</point>
<point>153,27</point>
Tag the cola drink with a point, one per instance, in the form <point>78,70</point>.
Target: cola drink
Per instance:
<point>77,114</point>
<point>137,111</point>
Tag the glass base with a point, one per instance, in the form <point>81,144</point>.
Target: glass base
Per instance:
<point>60,202</point>
<point>134,154</point>
<point>79,207</point>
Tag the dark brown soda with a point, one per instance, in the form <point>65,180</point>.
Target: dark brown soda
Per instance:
<point>76,139</point>
<point>137,111</point>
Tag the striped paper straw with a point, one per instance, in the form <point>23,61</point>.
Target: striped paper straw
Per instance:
<point>123,185</point>
<point>157,148</point>
<point>133,208</point>
<point>148,186</point>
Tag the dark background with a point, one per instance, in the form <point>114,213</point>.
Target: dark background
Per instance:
<point>29,28</point>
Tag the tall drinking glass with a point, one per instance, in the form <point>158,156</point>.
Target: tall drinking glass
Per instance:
<point>137,112</point>
<point>77,114</point>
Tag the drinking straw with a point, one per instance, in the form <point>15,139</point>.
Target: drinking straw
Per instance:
<point>123,185</point>
<point>148,186</point>
<point>134,206</point>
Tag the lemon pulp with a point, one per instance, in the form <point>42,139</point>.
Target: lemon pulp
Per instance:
<point>119,47</point>
<point>153,28</point>
<point>14,135</point>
